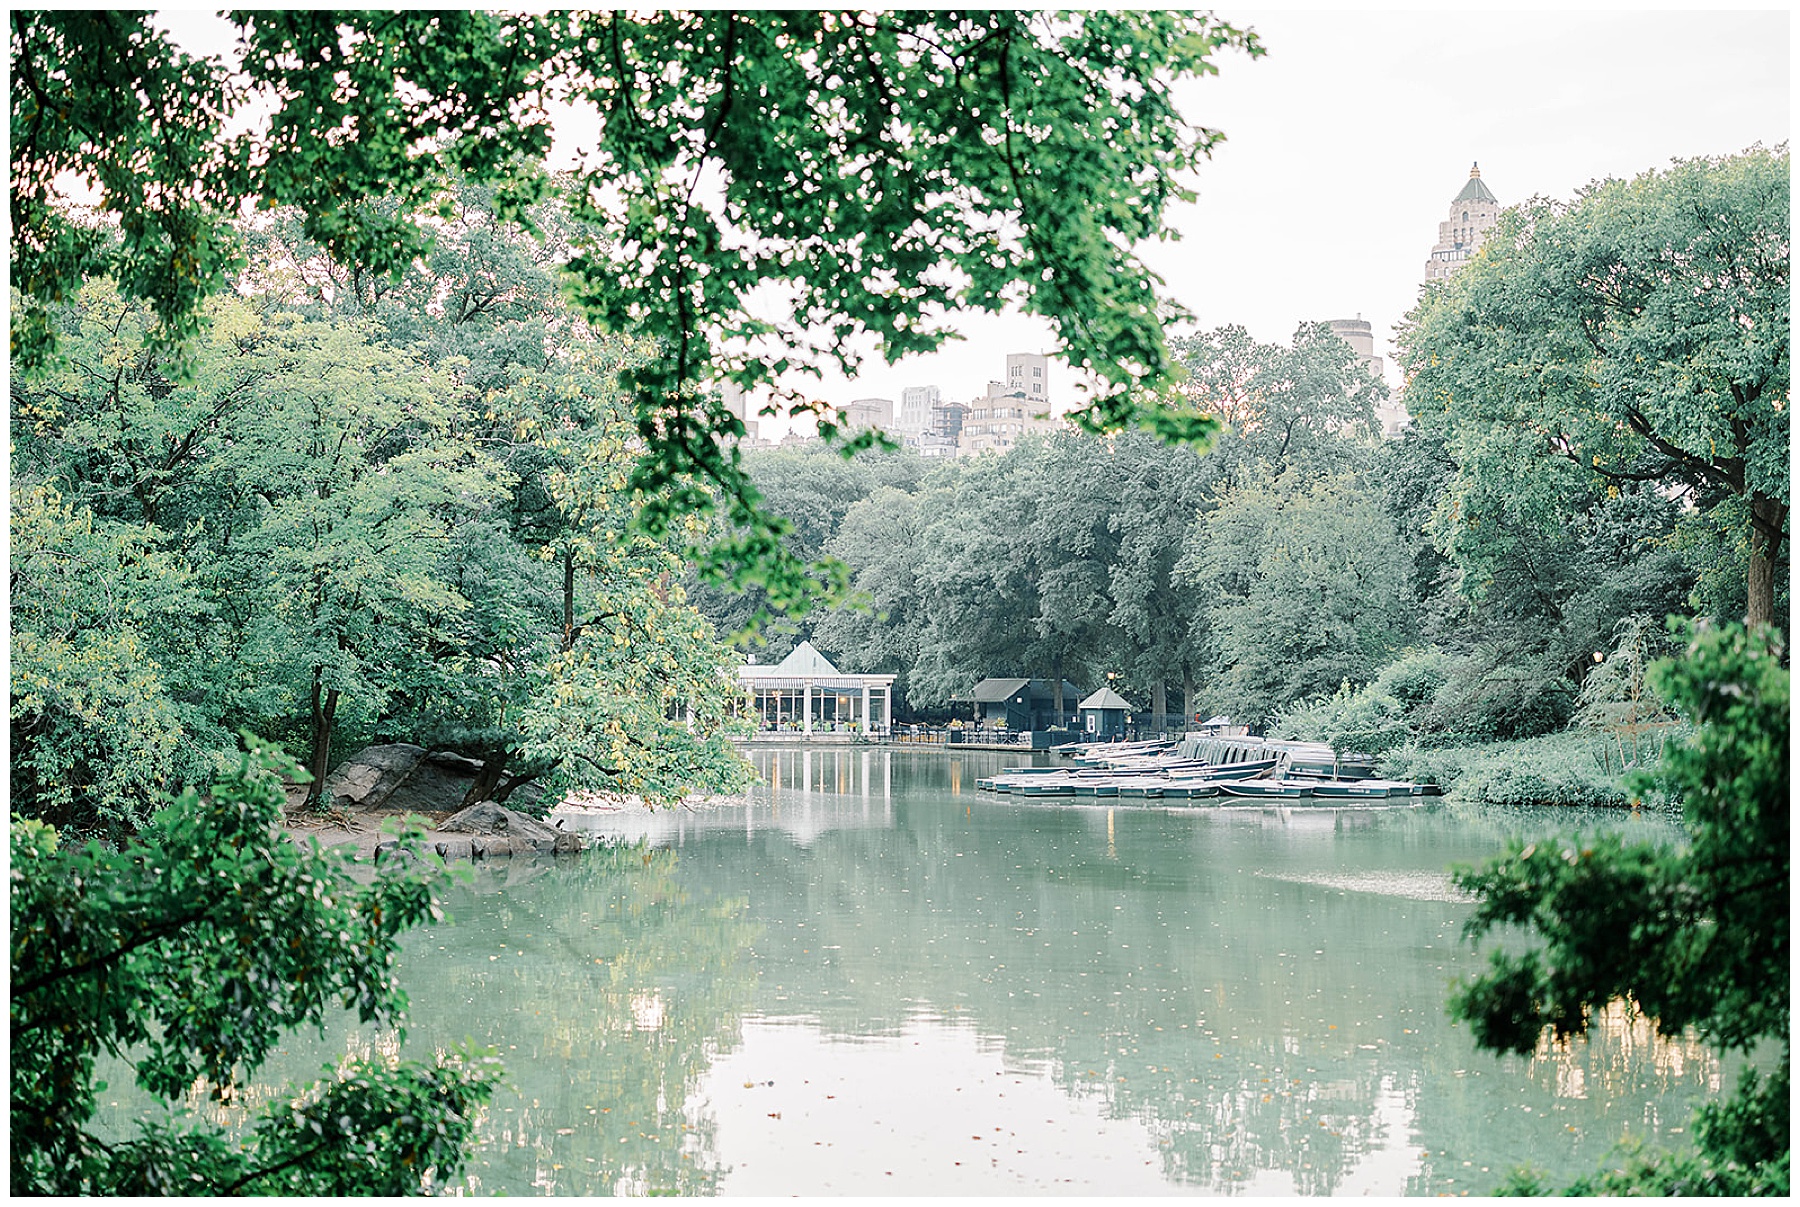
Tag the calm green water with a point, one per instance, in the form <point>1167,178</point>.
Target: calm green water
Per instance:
<point>868,978</point>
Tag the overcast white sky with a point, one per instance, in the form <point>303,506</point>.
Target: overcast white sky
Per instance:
<point>1346,142</point>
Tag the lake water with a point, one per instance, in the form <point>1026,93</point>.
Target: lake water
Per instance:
<point>869,978</point>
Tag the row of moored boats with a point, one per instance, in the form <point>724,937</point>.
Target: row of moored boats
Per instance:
<point>1217,770</point>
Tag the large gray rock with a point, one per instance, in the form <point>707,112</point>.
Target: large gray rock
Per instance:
<point>519,831</point>
<point>437,784</point>
<point>366,781</point>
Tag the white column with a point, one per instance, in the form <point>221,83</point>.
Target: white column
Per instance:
<point>865,708</point>
<point>807,725</point>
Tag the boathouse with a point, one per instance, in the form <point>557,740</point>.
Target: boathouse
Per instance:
<point>804,694</point>
<point>1103,715</point>
<point>1022,703</point>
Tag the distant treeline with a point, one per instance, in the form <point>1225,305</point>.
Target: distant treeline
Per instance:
<point>1600,441</point>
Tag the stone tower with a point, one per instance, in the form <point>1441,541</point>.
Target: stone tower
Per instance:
<point>1472,215</point>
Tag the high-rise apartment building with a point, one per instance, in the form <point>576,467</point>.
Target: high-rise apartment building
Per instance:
<point>1028,374</point>
<point>866,413</point>
<point>941,438</point>
<point>733,397</point>
<point>915,408</point>
<point>1011,408</point>
<point>1472,214</point>
<point>1359,333</point>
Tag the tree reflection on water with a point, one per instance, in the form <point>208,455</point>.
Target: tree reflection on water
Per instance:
<point>608,985</point>
<point>1256,997</point>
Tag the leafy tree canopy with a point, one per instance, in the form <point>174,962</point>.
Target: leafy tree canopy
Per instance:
<point>852,174</point>
<point>1639,334</point>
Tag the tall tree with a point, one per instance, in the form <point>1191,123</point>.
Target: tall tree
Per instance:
<point>350,446</point>
<point>96,730</point>
<point>1159,493</point>
<point>1638,333</point>
<point>808,492</point>
<point>884,624</point>
<point>1302,581</point>
<point>1279,405</point>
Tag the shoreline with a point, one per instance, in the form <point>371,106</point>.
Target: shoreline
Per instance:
<point>365,830</point>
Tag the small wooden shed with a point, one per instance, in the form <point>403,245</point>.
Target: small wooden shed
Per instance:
<point>1103,715</point>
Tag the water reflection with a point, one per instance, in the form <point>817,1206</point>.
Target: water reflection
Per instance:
<point>1260,990</point>
<point>864,977</point>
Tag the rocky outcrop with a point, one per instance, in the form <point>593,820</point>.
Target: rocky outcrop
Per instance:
<point>503,831</point>
<point>437,785</point>
<point>393,780</point>
<point>365,783</point>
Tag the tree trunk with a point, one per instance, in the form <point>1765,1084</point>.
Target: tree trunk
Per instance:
<point>1768,521</point>
<point>324,719</point>
<point>1187,698</point>
<point>1056,686</point>
<point>493,769</point>
<point>568,586</point>
<point>1159,703</point>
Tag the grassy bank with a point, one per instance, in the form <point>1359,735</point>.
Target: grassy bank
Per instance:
<point>1572,768</point>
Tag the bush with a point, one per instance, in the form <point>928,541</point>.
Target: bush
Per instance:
<point>194,948</point>
<point>1364,721</point>
<point>1373,719</point>
<point>1414,679</point>
<point>1561,769</point>
<point>1693,935</point>
<point>1484,699</point>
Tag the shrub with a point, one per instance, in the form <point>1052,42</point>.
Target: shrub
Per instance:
<point>1560,769</point>
<point>194,948</point>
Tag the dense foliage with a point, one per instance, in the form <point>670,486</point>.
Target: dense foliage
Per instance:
<point>193,947</point>
<point>1637,334</point>
<point>874,171</point>
<point>401,515</point>
<point>306,445</point>
<point>1291,577</point>
<point>1695,937</point>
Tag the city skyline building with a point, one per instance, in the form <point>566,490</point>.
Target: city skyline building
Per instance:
<point>1473,213</point>
<point>916,403</point>
<point>865,413</point>
<point>733,397</point>
<point>1359,333</point>
<point>1027,373</point>
<point>1011,408</point>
